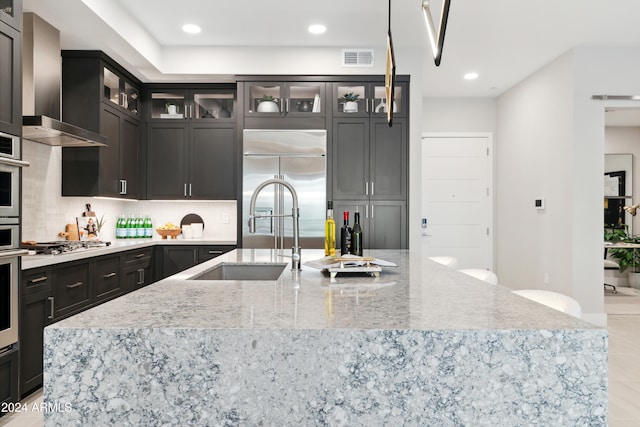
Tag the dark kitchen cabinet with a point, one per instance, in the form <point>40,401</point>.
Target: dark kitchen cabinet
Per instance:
<point>137,269</point>
<point>370,159</point>
<point>35,313</point>
<point>11,13</point>
<point>202,102</point>
<point>100,96</point>
<point>191,142</point>
<point>176,258</point>
<point>192,161</point>
<point>9,387</point>
<point>370,164</point>
<point>107,279</point>
<point>371,99</point>
<point>10,78</point>
<point>285,103</point>
<point>71,289</point>
<point>384,223</point>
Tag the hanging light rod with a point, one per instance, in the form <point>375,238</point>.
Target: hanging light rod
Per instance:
<point>436,37</point>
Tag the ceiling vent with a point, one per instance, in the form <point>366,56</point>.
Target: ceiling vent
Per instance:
<point>357,57</point>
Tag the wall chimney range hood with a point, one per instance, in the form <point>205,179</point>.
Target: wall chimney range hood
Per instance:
<point>41,88</point>
<point>50,131</point>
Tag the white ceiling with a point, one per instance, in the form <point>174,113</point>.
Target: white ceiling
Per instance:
<point>503,40</point>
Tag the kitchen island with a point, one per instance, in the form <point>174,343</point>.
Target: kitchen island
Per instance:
<point>421,344</point>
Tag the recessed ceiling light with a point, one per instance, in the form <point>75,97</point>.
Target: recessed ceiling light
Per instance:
<point>471,76</point>
<point>317,29</point>
<point>191,28</point>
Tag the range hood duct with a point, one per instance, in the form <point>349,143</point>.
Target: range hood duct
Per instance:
<point>41,89</point>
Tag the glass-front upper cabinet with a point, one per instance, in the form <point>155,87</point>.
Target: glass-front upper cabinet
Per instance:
<point>193,104</point>
<point>119,91</point>
<point>367,99</point>
<point>269,99</point>
<point>11,13</point>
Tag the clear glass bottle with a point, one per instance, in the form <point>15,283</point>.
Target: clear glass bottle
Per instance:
<point>330,232</point>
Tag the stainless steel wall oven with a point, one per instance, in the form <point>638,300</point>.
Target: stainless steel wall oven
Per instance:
<point>9,285</point>
<point>10,252</point>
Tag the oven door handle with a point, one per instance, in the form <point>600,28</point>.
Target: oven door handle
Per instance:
<point>12,253</point>
<point>14,162</point>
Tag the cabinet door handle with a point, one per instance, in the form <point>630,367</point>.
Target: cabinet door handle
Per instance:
<point>185,189</point>
<point>123,186</point>
<point>366,211</point>
<point>215,252</point>
<point>39,279</point>
<point>286,105</point>
<point>140,255</point>
<point>74,285</point>
<point>372,188</point>
<point>189,189</point>
<point>371,211</point>
<point>195,256</point>
<point>109,275</point>
<point>140,276</point>
<point>366,188</point>
<point>366,105</point>
<point>51,307</point>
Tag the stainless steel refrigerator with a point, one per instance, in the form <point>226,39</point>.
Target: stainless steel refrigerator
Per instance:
<point>299,157</point>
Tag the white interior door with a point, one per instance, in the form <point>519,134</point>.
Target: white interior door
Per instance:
<point>457,198</point>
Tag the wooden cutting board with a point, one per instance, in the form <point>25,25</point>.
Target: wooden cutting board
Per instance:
<point>70,232</point>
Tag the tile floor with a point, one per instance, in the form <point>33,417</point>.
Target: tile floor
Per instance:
<point>624,377</point>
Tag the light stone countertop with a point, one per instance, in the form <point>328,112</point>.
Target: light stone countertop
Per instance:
<point>418,294</point>
<point>422,344</point>
<point>34,261</point>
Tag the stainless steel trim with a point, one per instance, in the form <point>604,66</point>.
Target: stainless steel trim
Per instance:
<point>12,253</point>
<point>14,162</point>
<point>39,279</point>
<point>50,131</point>
<point>51,306</point>
<point>74,285</point>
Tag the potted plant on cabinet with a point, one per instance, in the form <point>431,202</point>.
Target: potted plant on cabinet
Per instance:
<point>625,257</point>
<point>350,103</point>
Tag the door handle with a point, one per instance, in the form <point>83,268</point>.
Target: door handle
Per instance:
<point>39,279</point>
<point>51,307</point>
<point>123,186</point>
<point>74,285</point>
<point>108,276</point>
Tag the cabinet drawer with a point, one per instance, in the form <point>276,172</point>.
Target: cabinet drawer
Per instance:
<point>36,280</point>
<point>71,290</point>
<point>209,252</point>
<point>106,278</point>
<point>141,258</point>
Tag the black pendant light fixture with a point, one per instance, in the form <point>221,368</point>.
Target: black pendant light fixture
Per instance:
<point>390,73</point>
<point>436,37</point>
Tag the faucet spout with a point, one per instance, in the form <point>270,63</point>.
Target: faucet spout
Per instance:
<point>295,215</point>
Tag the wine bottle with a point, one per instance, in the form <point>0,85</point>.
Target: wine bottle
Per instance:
<point>330,232</point>
<point>356,235</point>
<point>345,236</point>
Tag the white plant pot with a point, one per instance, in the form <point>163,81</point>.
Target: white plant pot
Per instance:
<point>351,107</point>
<point>268,107</point>
<point>172,109</point>
<point>634,280</point>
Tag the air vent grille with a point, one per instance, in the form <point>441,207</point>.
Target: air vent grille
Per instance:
<point>357,57</point>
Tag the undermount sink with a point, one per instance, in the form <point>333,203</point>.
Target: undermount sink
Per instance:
<point>242,271</point>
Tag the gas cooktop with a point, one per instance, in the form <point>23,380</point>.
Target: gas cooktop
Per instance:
<point>62,246</point>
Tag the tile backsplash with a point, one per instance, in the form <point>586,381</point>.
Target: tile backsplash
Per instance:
<point>45,212</point>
